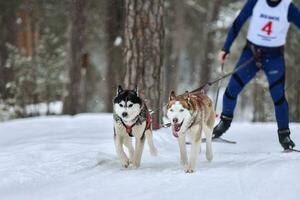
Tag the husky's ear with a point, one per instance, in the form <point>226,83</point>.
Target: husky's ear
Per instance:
<point>136,90</point>
<point>186,95</point>
<point>172,96</point>
<point>120,89</point>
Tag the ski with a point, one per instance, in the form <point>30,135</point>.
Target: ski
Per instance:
<point>291,150</point>
<point>167,125</point>
<point>296,150</point>
<point>221,140</point>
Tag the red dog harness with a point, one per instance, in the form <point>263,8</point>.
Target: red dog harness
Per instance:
<point>148,124</point>
<point>199,98</point>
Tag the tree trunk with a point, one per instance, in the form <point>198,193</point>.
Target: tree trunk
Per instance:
<point>7,36</point>
<point>114,51</point>
<point>73,103</point>
<point>176,47</point>
<point>292,74</point>
<point>212,14</point>
<point>144,39</point>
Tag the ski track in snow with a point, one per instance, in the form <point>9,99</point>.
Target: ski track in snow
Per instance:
<point>67,157</point>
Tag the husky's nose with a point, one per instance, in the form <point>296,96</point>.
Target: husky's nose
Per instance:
<point>175,120</point>
<point>124,114</point>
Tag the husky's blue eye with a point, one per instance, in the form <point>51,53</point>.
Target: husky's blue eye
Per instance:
<point>171,110</point>
<point>121,105</point>
<point>181,110</point>
<point>130,105</point>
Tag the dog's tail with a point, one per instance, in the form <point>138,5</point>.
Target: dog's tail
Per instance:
<point>149,137</point>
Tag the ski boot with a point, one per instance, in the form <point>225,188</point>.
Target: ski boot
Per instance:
<point>222,127</point>
<point>284,139</point>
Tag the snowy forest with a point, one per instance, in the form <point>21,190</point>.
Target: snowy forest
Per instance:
<point>61,62</point>
<point>67,57</point>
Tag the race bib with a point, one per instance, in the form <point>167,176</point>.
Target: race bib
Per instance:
<point>269,25</point>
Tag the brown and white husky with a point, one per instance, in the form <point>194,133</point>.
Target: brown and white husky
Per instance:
<point>191,114</point>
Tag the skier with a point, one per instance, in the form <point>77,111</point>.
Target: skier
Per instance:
<point>269,24</point>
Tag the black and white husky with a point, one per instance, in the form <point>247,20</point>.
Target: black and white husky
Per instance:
<point>131,119</point>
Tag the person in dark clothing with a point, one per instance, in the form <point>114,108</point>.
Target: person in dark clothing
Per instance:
<point>269,24</point>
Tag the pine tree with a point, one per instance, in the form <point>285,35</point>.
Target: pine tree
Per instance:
<point>74,101</point>
<point>144,39</point>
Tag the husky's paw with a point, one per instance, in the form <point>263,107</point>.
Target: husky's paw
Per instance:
<point>125,163</point>
<point>131,161</point>
<point>209,157</point>
<point>188,169</point>
<point>153,152</point>
<point>136,164</point>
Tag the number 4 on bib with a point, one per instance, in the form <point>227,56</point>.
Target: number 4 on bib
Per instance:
<point>268,28</point>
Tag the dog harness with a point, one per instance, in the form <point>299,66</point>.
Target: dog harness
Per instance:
<point>199,98</point>
<point>142,117</point>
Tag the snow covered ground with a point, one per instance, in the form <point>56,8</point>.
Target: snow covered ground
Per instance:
<point>73,158</point>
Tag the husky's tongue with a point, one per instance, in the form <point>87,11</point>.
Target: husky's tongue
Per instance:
<point>176,128</point>
<point>174,132</point>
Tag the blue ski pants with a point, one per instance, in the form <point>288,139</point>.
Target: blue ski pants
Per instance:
<point>274,69</point>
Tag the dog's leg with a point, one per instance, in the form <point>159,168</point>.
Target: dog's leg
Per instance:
<point>182,147</point>
<point>208,133</point>
<point>139,135</point>
<point>149,137</point>
<point>120,151</point>
<point>139,147</point>
<point>195,149</point>
<point>128,144</point>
